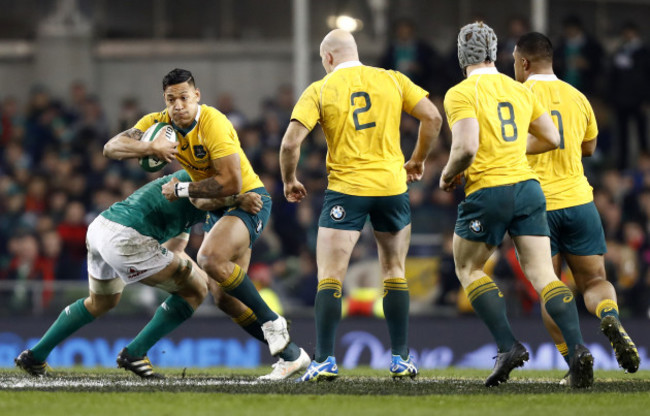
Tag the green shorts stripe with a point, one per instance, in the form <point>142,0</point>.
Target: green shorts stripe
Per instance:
<point>487,214</point>
<point>577,230</point>
<point>350,212</point>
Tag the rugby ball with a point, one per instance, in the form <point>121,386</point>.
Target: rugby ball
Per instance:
<point>152,163</point>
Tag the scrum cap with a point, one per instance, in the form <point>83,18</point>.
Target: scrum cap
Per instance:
<point>476,43</point>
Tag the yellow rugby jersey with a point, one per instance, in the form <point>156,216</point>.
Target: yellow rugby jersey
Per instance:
<point>360,108</point>
<point>211,136</point>
<point>560,171</point>
<point>504,109</point>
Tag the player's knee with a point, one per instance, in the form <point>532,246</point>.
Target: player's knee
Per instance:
<point>190,282</point>
<point>100,304</point>
<point>216,267</point>
<point>210,260</point>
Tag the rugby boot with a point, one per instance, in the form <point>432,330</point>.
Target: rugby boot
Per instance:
<point>625,350</point>
<point>505,363</point>
<point>140,366</point>
<point>27,362</point>
<point>581,368</point>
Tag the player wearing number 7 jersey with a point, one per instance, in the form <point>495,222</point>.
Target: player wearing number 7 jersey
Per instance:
<point>576,230</point>
<point>360,109</point>
<point>491,117</point>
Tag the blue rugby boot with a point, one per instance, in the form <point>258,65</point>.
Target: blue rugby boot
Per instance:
<point>327,370</point>
<point>400,368</point>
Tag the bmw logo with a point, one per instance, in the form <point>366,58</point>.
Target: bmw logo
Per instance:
<point>337,213</point>
<point>476,226</point>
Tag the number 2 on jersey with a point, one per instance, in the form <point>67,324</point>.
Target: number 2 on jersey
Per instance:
<point>356,112</point>
<point>560,126</point>
<point>510,121</point>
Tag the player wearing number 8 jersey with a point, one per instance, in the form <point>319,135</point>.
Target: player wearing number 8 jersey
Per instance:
<point>576,230</point>
<point>491,117</point>
<point>360,109</point>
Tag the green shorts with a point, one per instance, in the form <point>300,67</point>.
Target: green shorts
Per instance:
<point>577,230</point>
<point>349,212</point>
<point>519,209</point>
<point>254,223</point>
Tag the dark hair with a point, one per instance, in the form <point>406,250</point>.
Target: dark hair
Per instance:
<point>177,76</point>
<point>535,47</point>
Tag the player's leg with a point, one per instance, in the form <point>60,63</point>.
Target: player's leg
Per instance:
<point>392,248</point>
<point>291,360</point>
<point>391,220</point>
<point>549,324</point>
<point>71,319</point>
<point>230,238</point>
<point>535,259</point>
<point>333,250</point>
<point>480,227</point>
<point>339,226</point>
<point>600,299</point>
<point>187,288</point>
<point>488,303</point>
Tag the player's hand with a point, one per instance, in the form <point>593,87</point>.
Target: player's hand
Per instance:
<point>294,191</point>
<point>163,149</point>
<point>168,189</point>
<point>250,202</point>
<point>414,171</point>
<point>450,186</point>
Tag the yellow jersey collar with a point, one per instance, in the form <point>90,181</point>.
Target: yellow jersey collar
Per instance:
<point>483,71</point>
<point>348,64</point>
<point>542,77</point>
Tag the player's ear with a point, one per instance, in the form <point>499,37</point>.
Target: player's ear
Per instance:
<point>198,95</point>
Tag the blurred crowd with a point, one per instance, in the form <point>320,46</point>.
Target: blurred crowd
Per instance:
<point>54,179</point>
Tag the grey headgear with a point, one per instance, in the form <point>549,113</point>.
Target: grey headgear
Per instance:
<point>476,44</point>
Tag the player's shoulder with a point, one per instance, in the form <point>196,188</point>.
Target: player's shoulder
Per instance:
<point>208,112</point>
<point>157,117</point>
<point>464,88</point>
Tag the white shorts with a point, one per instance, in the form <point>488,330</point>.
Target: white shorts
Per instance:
<point>118,251</point>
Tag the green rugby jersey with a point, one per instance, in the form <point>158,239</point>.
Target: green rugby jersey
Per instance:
<point>148,212</point>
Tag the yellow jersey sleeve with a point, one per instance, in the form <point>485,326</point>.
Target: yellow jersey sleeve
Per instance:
<point>458,106</point>
<point>218,136</point>
<point>307,109</point>
<point>411,93</point>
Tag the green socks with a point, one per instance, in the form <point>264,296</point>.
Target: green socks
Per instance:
<point>488,303</point>
<point>240,286</point>
<point>561,306</point>
<point>248,322</point>
<point>396,311</point>
<point>327,311</point>
<point>73,317</point>
<point>170,314</point>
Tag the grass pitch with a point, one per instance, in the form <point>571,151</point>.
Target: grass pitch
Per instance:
<point>99,392</point>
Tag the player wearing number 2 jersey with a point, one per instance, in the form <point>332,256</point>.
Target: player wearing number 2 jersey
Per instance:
<point>490,117</point>
<point>359,109</point>
<point>576,230</point>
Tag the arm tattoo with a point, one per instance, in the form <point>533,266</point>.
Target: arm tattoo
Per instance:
<point>207,188</point>
<point>134,134</point>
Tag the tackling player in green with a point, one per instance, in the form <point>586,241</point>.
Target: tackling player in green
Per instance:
<point>142,239</point>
